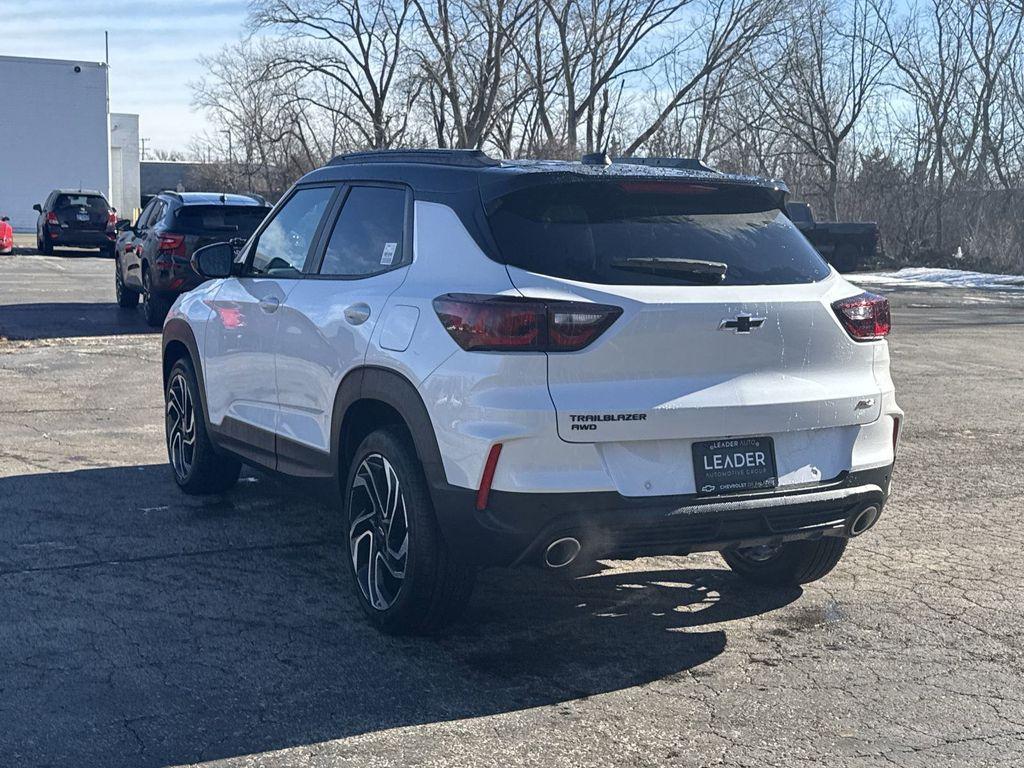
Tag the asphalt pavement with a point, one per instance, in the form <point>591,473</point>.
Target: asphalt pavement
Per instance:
<point>141,627</point>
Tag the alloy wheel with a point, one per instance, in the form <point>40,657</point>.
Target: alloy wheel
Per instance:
<point>181,427</point>
<point>378,531</point>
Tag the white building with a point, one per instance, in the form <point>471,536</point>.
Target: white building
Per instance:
<point>125,180</point>
<point>58,133</point>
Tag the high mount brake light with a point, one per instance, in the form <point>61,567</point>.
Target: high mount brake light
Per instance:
<point>666,188</point>
<point>511,324</point>
<point>864,316</point>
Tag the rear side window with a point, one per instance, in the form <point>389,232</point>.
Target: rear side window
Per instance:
<point>227,220</point>
<point>368,236</point>
<point>642,232</point>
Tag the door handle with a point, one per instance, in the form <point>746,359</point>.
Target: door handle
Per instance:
<point>357,314</point>
<point>270,304</point>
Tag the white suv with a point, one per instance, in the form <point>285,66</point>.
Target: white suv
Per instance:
<point>538,362</point>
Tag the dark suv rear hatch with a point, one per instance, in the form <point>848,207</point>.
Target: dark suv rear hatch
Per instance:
<point>82,212</point>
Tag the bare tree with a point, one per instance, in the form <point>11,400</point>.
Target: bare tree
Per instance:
<point>359,44</point>
<point>702,64</point>
<point>468,62</point>
<point>828,68</point>
<point>599,42</point>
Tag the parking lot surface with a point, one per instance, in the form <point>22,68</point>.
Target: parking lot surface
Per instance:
<point>140,627</point>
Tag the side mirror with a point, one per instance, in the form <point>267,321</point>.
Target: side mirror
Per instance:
<point>214,260</point>
<point>37,207</point>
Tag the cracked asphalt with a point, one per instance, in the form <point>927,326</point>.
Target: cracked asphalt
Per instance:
<point>139,627</point>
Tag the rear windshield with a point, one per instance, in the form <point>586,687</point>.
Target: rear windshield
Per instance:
<point>233,220</point>
<point>94,203</point>
<point>639,232</point>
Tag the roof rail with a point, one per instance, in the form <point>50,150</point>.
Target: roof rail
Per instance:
<point>172,192</point>
<point>683,163</point>
<point>468,158</point>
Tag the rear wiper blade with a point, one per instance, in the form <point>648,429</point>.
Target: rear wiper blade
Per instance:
<point>710,271</point>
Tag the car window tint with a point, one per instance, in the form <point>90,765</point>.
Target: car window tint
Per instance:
<point>147,214</point>
<point>652,232</point>
<point>225,220</point>
<point>94,203</point>
<point>368,235</point>
<point>283,246</point>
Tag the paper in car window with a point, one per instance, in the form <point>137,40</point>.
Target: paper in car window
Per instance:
<point>388,254</point>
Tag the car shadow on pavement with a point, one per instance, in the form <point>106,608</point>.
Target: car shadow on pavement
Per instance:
<point>58,320</point>
<point>143,627</point>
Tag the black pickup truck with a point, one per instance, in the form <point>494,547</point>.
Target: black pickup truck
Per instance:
<point>846,246</point>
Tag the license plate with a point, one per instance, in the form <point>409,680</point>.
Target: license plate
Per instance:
<point>83,217</point>
<point>734,464</point>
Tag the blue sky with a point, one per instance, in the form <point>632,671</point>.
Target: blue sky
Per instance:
<point>153,50</point>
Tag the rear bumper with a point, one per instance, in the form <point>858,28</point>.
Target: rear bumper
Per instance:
<point>75,238</point>
<point>517,527</point>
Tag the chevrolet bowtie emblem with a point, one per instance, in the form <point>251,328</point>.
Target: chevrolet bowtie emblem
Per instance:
<point>741,324</point>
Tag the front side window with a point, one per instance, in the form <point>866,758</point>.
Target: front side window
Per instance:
<point>368,236</point>
<point>284,245</point>
<point>147,214</point>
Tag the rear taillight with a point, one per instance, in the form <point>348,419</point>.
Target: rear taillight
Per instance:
<point>513,324</point>
<point>172,245</point>
<point>864,316</point>
<point>112,219</point>
<point>51,218</point>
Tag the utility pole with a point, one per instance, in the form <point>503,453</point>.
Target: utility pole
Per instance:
<point>142,148</point>
<point>231,154</point>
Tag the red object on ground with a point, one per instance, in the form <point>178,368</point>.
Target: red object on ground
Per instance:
<point>6,237</point>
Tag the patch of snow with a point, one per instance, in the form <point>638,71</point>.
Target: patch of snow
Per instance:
<point>933,277</point>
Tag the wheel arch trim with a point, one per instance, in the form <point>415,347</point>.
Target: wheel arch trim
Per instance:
<point>396,391</point>
<point>177,331</point>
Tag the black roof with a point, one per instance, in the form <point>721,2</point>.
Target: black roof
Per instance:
<point>436,173</point>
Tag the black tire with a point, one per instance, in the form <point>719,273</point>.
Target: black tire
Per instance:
<point>107,251</point>
<point>846,258</point>
<point>794,563</point>
<point>154,307</point>
<point>434,588</point>
<point>208,471</point>
<point>126,297</point>
<point>45,246</point>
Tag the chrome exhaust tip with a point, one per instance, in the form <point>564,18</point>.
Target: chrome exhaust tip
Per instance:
<point>561,552</point>
<point>864,520</point>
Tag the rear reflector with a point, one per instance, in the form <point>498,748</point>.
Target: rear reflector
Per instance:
<point>487,478</point>
<point>864,316</point>
<point>480,323</point>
